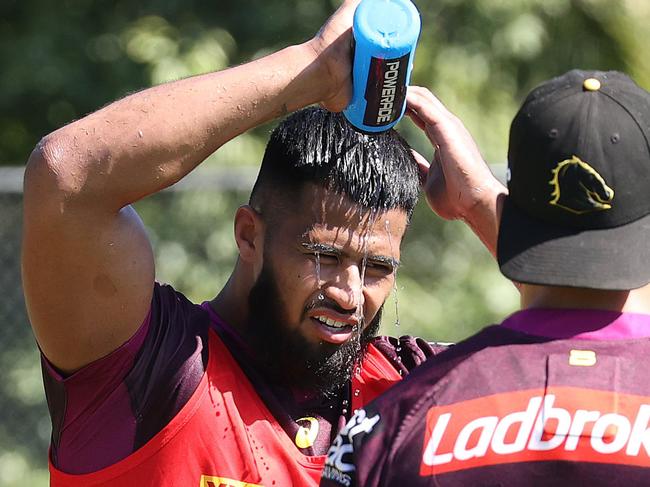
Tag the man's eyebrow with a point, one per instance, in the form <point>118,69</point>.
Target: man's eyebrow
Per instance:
<point>319,247</point>
<point>384,259</point>
<point>329,249</point>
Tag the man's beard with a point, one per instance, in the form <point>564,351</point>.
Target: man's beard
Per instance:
<point>285,357</point>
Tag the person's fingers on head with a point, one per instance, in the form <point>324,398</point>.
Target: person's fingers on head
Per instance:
<point>429,114</point>
<point>422,99</point>
<point>437,179</point>
<point>437,156</point>
<point>421,92</point>
<point>420,159</point>
<point>423,166</point>
<point>439,121</point>
<point>423,125</point>
<point>438,162</point>
<point>415,100</point>
<point>413,115</point>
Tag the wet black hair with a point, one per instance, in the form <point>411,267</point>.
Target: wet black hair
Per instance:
<point>313,145</point>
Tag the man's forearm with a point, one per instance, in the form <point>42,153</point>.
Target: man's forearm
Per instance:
<point>485,216</point>
<point>149,140</point>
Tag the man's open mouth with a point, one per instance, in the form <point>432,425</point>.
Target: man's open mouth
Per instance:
<point>332,323</point>
<point>332,329</point>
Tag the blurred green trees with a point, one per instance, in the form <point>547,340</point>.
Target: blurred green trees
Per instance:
<point>61,60</point>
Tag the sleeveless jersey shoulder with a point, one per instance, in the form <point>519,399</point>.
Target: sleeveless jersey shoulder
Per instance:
<point>110,408</point>
<point>171,361</point>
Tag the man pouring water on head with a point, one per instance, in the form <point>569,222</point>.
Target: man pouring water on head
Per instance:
<point>248,388</point>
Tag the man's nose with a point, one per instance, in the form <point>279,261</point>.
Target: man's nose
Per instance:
<point>346,288</point>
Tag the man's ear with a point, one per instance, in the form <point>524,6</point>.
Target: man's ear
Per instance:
<point>249,234</point>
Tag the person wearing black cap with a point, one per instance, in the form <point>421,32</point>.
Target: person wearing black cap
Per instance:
<point>557,394</point>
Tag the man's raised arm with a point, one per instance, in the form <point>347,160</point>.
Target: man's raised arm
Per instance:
<point>88,266</point>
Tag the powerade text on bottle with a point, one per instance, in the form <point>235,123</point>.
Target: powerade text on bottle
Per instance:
<point>385,34</point>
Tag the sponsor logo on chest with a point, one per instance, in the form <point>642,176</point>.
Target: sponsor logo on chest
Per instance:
<point>561,423</point>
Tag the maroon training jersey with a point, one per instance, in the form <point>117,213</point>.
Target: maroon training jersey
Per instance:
<point>508,407</point>
<point>113,407</point>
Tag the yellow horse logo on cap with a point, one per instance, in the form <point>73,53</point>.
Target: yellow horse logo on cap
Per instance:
<point>578,188</point>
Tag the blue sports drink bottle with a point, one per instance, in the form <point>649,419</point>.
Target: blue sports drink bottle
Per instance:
<point>385,34</point>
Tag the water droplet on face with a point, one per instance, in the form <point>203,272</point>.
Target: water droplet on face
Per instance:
<point>392,253</point>
<point>372,218</point>
<point>318,272</point>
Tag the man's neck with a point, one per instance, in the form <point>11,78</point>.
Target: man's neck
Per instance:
<point>633,301</point>
<point>231,304</point>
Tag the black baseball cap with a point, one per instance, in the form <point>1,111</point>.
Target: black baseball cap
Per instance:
<point>578,209</point>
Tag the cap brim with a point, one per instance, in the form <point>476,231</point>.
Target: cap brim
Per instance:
<point>533,251</point>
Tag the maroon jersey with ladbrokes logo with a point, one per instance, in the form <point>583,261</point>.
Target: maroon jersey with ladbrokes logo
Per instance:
<point>547,398</point>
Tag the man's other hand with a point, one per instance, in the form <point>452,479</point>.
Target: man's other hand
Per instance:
<point>458,183</point>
